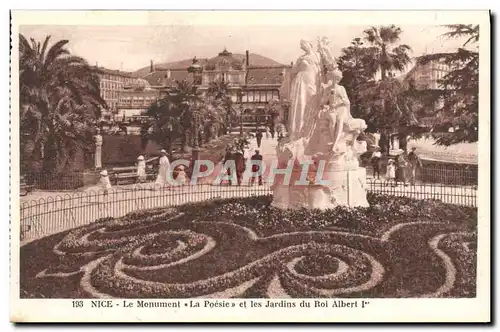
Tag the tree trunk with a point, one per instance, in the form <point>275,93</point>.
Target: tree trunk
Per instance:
<point>403,141</point>
<point>384,142</point>
<point>169,147</point>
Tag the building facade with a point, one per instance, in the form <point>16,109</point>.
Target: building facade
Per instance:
<point>135,99</point>
<point>112,82</point>
<point>253,80</point>
<point>427,76</point>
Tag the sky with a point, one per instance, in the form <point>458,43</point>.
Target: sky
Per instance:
<point>132,47</point>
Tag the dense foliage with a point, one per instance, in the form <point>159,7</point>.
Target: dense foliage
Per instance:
<point>459,89</point>
<point>60,102</point>
<point>183,113</point>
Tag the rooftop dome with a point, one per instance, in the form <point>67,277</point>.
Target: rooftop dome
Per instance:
<point>225,60</point>
<point>195,66</point>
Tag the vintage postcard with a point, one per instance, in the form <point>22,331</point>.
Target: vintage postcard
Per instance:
<point>240,166</point>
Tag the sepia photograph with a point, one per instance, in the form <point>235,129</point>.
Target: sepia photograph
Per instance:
<point>244,160</point>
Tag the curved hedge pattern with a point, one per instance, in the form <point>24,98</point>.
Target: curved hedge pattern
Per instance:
<point>169,253</point>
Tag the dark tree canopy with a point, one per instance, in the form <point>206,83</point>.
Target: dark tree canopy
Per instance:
<point>459,89</point>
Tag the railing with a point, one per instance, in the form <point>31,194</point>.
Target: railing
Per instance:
<point>448,174</point>
<point>460,195</point>
<point>51,215</point>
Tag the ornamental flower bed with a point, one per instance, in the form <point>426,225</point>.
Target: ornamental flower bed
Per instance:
<point>244,248</point>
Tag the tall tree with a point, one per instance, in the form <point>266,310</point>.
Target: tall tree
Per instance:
<point>220,97</point>
<point>175,115</point>
<point>358,65</point>
<point>386,99</point>
<point>59,104</point>
<point>458,91</point>
<point>389,55</point>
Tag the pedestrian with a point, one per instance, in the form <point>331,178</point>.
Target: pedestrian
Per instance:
<point>163,169</point>
<point>391,172</point>
<point>415,164</point>
<point>141,169</point>
<point>256,166</point>
<point>228,156</point>
<point>401,166</point>
<point>268,133</point>
<point>258,136</point>
<point>375,160</point>
<point>104,182</point>
<point>181,178</point>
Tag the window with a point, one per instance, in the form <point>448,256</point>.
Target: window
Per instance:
<point>244,98</point>
<point>276,95</point>
<point>269,95</point>
<point>262,96</point>
<point>250,96</point>
<point>234,98</point>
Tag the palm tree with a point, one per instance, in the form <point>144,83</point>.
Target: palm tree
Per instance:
<point>59,104</point>
<point>176,114</point>
<point>388,55</point>
<point>218,91</point>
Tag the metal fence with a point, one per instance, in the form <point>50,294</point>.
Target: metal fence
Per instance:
<point>54,214</point>
<point>436,173</point>
<point>460,195</point>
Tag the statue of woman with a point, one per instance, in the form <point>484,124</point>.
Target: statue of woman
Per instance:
<point>336,129</point>
<point>98,149</point>
<point>305,83</point>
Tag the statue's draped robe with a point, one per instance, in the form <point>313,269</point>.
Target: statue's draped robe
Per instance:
<point>326,137</point>
<point>304,101</point>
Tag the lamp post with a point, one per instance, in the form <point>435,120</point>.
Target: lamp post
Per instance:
<point>241,120</point>
<point>240,100</point>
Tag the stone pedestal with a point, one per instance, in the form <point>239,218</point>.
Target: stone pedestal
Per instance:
<point>336,187</point>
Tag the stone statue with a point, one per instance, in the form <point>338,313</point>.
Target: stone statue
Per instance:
<point>98,148</point>
<point>303,92</point>
<point>323,135</point>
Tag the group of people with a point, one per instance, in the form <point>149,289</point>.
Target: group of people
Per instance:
<point>162,179</point>
<point>403,168</point>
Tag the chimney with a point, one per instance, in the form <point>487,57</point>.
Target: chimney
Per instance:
<point>247,65</point>
<point>151,67</point>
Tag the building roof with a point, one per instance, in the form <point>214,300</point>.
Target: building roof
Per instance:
<point>255,60</point>
<point>269,75</point>
<point>161,77</point>
<point>116,72</point>
<point>225,60</point>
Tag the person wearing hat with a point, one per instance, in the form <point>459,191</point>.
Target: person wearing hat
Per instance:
<point>376,158</point>
<point>163,169</point>
<point>415,164</point>
<point>181,178</point>
<point>104,182</point>
<point>256,164</point>
<point>391,171</point>
<point>141,169</point>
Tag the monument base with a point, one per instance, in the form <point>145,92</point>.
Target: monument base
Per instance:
<point>344,188</point>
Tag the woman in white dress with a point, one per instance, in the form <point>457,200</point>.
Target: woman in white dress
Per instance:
<point>141,169</point>
<point>163,169</point>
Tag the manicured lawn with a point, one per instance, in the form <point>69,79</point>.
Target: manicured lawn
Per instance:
<point>243,248</point>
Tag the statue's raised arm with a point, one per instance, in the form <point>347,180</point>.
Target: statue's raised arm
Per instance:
<point>327,59</point>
